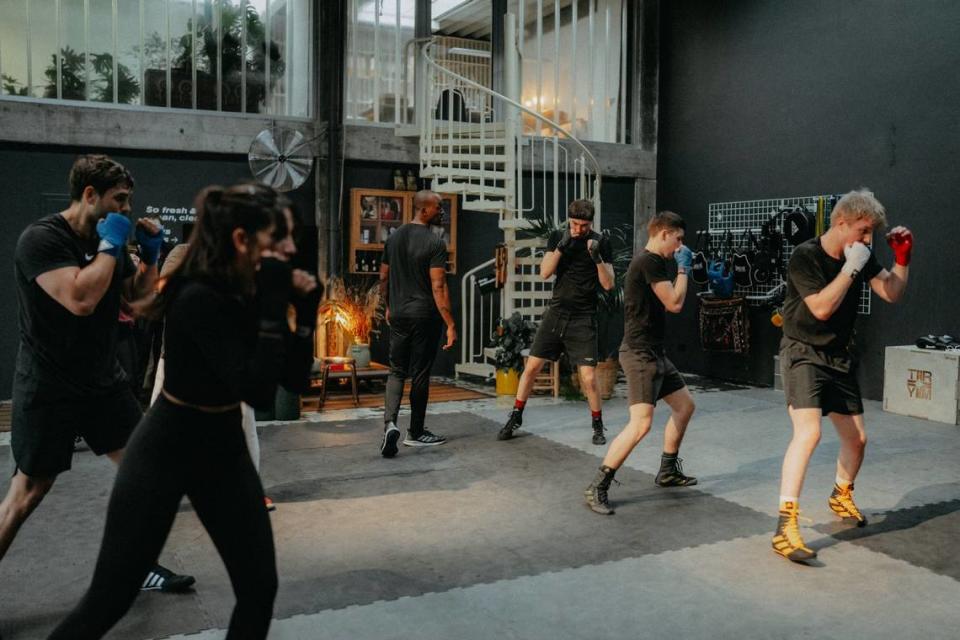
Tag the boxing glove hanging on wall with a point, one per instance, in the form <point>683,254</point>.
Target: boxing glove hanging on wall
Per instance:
<point>698,268</point>
<point>799,225</point>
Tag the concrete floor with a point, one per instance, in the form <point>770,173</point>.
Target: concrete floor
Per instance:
<point>481,539</point>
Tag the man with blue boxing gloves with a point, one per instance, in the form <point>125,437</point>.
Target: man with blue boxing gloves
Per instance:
<point>71,270</point>
<point>648,293</point>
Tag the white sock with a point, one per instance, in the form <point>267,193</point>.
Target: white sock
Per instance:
<point>842,483</point>
<point>794,499</point>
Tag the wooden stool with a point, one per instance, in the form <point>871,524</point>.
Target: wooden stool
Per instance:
<point>349,364</point>
<point>548,379</point>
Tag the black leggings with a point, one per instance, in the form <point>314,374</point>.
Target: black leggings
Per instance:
<point>176,451</point>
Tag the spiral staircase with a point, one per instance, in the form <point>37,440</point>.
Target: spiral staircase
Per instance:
<point>508,160</point>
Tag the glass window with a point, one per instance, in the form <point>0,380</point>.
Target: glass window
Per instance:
<point>377,34</point>
<point>13,48</point>
<point>251,56</point>
<point>154,53</point>
<point>42,67</point>
<point>180,16</point>
<point>235,17</point>
<point>73,51</point>
<point>129,71</point>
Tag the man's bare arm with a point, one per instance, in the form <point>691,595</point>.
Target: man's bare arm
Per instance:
<point>80,290</point>
<point>441,297</point>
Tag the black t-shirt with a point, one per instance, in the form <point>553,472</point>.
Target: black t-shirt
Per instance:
<point>644,314</point>
<point>577,283</point>
<point>76,355</point>
<point>215,354</point>
<point>411,252</point>
<point>810,271</point>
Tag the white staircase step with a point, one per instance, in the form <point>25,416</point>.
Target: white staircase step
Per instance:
<point>515,223</point>
<point>466,174</point>
<point>463,158</point>
<point>466,143</point>
<point>476,369</point>
<point>495,206</point>
<point>469,128</point>
<point>466,187</point>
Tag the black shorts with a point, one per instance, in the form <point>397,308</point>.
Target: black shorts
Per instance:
<point>45,424</point>
<point>650,375</point>
<point>814,379</point>
<point>560,332</point>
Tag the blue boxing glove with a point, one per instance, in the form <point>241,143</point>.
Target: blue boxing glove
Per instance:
<point>684,257</point>
<point>113,231</point>
<point>150,244</point>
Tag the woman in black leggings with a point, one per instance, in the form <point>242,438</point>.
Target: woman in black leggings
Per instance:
<point>227,340</point>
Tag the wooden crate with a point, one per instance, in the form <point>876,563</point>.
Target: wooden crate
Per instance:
<point>922,383</point>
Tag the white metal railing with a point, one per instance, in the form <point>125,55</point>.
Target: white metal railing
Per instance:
<point>482,309</point>
<point>477,149</point>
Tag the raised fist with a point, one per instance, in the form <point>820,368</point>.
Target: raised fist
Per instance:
<point>566,241</point>
<point>113,231</point>
<point>149,236</point>
<point>900,240</point>
<point>684,257</point>
<point>593,248</point>
<point>857,255</point>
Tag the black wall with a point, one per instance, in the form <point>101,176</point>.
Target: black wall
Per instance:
<point>35,178</point>
<point>477,235</point>
<point>775,99</point>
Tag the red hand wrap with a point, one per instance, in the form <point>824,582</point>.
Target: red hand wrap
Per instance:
<point>902,245</point>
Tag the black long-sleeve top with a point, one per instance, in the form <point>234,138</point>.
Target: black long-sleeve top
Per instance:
<point>217,354</point>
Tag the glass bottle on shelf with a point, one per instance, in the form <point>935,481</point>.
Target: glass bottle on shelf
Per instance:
<point>411,181</point>
<point>398,182</point>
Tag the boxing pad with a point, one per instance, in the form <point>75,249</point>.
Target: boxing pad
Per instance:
<point>799,225</point>
<point>698,267</point>
<point>742,262</point>
<point>721,279</point>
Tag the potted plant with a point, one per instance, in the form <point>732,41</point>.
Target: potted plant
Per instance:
<point>609,303</point>
<point>354,309</point>
<point>511,337</point>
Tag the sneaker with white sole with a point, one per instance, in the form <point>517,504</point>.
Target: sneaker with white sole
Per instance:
<point>162,579</point>
<point>391,435</point>
<point>425,439</point>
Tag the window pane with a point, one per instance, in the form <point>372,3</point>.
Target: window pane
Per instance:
<point>207,31</point>
<point>73,75</point>
<point>256,56</point>
<point>181,48</point>
<point>43,44</point>
<point>13,48</point>
<point>299,59</point>
<point>279,20</point>
<point>100,43</point>
<point>155,52</point>
<point>377,34</point>
<point>231,53</point>
<point>129,72</point>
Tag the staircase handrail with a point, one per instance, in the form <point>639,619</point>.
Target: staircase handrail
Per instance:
<point>499,96</point>
<point>467,297</point>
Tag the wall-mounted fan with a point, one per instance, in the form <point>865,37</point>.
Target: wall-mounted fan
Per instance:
<point>280,158</point>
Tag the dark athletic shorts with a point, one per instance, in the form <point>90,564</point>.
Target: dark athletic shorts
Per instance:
<point>650,375</point>
<point>560,332</point>
<point>815,379</point>
<point>45,424</point>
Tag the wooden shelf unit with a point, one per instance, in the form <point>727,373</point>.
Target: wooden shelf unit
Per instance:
<point>376,213</point>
